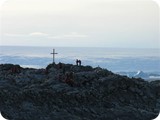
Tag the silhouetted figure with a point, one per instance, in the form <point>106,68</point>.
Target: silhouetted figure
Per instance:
<point>77,61</point>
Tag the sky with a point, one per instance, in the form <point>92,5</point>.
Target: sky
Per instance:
<point>80,23</point>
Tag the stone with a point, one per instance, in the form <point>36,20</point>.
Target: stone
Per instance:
<point>97,94</point>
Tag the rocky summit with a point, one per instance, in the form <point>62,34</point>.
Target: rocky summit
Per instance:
<point>70,92</point>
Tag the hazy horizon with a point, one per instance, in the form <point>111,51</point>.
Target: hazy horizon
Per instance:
<point>80,23</point>
<point>78,47</point>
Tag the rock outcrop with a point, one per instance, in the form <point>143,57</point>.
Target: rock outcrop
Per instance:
<point>70,92</point>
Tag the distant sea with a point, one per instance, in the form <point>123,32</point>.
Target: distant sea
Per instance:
<point>119,60</point>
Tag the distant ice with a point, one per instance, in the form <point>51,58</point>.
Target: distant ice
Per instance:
<point>140,74</point>
<point>143,63</point>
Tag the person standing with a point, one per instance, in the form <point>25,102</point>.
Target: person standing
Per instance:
<point>77,61</point>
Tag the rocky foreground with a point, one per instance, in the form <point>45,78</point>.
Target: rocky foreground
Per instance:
<point>70,92</point>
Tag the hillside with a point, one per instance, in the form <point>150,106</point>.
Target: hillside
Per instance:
<point>70,92</point>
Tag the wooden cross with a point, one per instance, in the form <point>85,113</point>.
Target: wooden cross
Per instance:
<point>54,55</point>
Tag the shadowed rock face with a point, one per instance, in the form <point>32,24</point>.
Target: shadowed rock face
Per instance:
<point>95,94</point>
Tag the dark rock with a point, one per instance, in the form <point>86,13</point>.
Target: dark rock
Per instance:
<point>96,94</point>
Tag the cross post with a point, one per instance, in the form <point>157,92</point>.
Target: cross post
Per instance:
<point>54,55</point>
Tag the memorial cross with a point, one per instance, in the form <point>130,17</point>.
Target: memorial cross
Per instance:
<point>54,55</point>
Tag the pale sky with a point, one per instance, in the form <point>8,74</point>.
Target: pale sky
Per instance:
<point>80,23</point>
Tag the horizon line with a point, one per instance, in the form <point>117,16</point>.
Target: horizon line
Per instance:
<point>78,47</point>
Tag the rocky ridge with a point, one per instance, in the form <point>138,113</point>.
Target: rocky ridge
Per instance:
<point>93,94</point>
